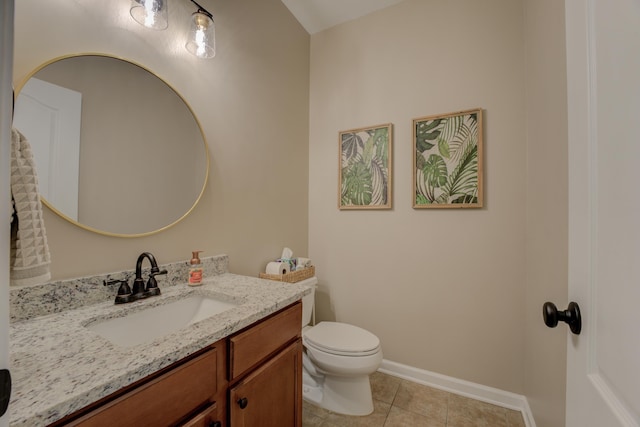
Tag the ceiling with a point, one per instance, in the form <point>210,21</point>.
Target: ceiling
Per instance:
<point>318,15</point>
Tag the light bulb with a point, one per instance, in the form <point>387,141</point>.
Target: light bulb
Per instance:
<point>201,40</point>
<point>150,13</point>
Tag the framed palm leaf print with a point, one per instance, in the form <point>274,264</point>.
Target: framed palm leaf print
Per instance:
<point>365,168</point>
<point>447,160</point>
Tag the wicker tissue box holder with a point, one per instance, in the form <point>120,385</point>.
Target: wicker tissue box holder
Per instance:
<point>293,277</point>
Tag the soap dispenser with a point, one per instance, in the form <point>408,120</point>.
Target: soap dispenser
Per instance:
<point>195,272</point>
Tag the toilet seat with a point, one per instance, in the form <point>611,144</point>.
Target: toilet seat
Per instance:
<point>341,339</point>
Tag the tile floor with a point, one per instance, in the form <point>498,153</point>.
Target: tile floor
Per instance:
<point>402,403</point>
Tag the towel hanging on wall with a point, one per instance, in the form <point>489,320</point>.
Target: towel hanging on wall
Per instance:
<point>30,258</point>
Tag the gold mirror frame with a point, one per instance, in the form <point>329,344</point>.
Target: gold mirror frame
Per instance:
<point>190,110</point>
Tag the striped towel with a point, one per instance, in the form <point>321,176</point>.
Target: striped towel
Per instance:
<point>30,258</point>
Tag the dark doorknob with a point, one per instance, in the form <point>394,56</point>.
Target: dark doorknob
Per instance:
<point>571,316</point>
<point>243,402</point>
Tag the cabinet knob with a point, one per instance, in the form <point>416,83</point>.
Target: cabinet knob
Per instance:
<point>243,402</point>
<point>215,424</point>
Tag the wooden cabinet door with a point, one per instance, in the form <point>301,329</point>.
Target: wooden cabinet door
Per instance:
<point>270,396</point>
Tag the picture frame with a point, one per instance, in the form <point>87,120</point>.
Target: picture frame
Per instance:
<point>365,167</point>
<point>448,160</point>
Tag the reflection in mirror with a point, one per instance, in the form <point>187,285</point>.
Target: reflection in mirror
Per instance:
<point>117,150</point>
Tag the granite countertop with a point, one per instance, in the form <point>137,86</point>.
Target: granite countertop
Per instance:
<point>59,366</point>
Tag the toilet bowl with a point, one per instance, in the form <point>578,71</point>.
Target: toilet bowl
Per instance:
<point>337,361</point>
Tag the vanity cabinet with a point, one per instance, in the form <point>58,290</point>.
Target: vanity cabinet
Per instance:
<point>252,378</point>
<point>265,372</point>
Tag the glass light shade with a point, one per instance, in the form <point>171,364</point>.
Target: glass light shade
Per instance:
<point>150,13</point>
<point>201,40</point>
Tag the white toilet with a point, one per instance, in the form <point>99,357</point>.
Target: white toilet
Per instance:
<point>337,362</point>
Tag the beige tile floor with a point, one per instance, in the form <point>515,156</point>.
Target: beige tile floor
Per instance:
<point>402,403</point>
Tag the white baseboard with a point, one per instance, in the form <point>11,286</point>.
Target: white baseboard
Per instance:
<point>480,392</point>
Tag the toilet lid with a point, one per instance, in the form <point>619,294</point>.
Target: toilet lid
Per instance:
<point>341,338</point>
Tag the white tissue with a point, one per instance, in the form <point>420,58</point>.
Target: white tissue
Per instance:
<point>287,253</point>
<point>303,262</point>
<point>275,267</point>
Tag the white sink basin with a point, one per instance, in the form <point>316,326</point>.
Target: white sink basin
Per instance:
<point>144,326</point>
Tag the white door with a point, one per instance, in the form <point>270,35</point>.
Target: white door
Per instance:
<point>603,69</point>
<point>49,116</point>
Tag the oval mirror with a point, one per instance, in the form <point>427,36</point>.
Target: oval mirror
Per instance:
<point>117,150</point>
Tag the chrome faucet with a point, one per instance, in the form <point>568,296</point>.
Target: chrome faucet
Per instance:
<point>139,290</point>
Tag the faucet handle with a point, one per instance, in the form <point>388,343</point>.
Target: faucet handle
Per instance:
<point>124,292</point>
<point>152,284</point>
<point>159,273</point>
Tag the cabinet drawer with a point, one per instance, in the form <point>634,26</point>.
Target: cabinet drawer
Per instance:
<point>251,346</point>
<point>163,401</point>
<point>209,417</point>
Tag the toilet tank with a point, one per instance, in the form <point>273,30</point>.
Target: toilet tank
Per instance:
<point>308,300</point>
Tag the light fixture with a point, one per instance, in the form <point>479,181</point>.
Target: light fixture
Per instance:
<point>201,40</point>
<point>150,13</point>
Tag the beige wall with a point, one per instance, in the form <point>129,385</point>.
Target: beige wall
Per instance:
<point>252,102</point>
<point>547,208</point>
<point>443,289</point>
